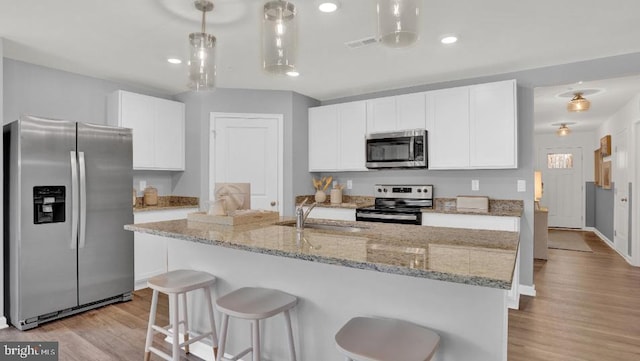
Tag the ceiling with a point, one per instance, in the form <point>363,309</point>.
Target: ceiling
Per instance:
<point>129,41</point>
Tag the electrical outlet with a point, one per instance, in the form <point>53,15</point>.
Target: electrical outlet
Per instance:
<point>475,185</point>
<point>522,185</point>
<point>143,185</point>
<point>349,184</point>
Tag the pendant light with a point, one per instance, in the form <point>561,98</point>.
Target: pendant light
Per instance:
<point>398,22</point>
<point>279,37</point>
<point>578,103</point>
<point>563,131</point>
<point>202,64</point>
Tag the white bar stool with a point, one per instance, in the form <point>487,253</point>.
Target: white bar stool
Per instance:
<point>255,304</point>
<point>376,339</point>
<point>173,284</point>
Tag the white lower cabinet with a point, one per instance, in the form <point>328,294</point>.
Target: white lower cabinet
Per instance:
<point>150,252</point>
<point>472,221</point>
<point>337,214</point>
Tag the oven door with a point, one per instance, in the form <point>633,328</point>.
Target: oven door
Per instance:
<point>396,150</point>
<point>376,215</point>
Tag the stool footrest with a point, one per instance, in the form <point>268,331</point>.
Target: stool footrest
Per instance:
<point>238,356</point>
<point>166,330</point>
<point>195,339</point>
<point>160,353</point>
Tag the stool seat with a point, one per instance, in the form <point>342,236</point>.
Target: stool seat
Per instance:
<point>375,339</point>
<point>180,281</point>
<point>252,303</point>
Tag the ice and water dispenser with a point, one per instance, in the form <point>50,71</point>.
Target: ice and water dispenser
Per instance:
<point>48,204</point>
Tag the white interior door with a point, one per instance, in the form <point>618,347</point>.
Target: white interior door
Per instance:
<point>562,186</point>
<point>621,193</point>
<point>247,148</point>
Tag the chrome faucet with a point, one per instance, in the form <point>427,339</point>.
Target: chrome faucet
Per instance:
<point>301,215</point>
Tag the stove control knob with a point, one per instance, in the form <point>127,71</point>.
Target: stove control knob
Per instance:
<point>385,190</point>
<point>419,190</point>
<point>426,190</point>
<point>379,190</point>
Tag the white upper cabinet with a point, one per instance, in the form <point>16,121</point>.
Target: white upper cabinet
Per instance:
<point>493,126</point>
<point>473,127</point>
<point>158,129</point>
<point>448,128</point>
<point>396,113</point>
<point>337,137</point>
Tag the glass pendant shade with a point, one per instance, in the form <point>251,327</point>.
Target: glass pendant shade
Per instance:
<point>279,37</point>
<point>578,104</point>
<point>398,22</point>
<point>202,64</point>
<point>563,130</point>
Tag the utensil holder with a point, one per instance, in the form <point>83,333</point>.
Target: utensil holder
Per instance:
<point>336,196</point>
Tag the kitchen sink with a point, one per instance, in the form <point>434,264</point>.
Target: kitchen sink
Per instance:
<point>327,227</point>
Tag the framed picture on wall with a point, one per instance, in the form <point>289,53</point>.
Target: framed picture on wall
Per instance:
<point>606,175</point>
<point>605,145</point>
<point>597,166</point>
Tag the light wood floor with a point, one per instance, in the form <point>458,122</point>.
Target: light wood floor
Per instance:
<point>587,308</point>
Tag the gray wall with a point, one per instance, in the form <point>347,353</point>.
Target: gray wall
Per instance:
<point>199,106</point>
<point>37,90</point>
<point>590,204</point>
<point>605,203</point>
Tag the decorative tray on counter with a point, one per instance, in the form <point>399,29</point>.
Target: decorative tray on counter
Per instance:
<point>245,216</point>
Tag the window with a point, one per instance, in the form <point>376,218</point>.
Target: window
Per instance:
<point>559,161</point>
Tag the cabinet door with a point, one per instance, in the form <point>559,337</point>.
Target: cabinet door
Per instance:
<point>448,126</point>
<point>352,125</point>
<point>381,115</point>
<point>169,135</point>
<point>138,113</point>
<point>411,111</point>
<point>323,138</point>
<point>493,125</point>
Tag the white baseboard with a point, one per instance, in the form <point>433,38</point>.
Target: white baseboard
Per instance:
<point>610,243</point>
<point>528,290</point>
<point>200,349</point>
<point>3,322</point>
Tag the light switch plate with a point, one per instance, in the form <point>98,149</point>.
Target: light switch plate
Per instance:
<point>349,184</point>
<point>475,185</point>
<point>522,185</point>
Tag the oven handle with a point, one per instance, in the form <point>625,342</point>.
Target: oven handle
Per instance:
<point>387,216</point>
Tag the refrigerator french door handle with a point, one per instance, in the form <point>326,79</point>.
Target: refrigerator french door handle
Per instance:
<point>83,200</point>
<point>74,199</point>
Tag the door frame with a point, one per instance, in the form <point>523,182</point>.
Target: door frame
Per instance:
<point>212,146</point>
<point>634,177</point>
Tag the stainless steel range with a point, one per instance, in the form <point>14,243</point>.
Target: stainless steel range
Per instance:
<point>398,204</point>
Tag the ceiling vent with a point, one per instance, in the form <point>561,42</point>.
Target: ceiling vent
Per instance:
<point>361,42</point>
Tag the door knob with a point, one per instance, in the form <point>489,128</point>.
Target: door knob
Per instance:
<point>273,203</point>
<point>623,199</point>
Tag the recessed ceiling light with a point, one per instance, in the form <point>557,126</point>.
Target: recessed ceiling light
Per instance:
<point>174,61</point>
<point>449,39</point>
<point>293,73</point>
<point>328,6</point>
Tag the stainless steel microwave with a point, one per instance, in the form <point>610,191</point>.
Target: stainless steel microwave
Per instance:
<point>404,149</point>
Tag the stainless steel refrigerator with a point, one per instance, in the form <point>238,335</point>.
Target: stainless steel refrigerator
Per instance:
<point>67,196</point>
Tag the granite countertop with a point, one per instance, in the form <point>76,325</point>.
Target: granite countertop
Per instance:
<point>474,257</point>
<point>166,203</point>
<point>348,201</point>
<point>497,207</point>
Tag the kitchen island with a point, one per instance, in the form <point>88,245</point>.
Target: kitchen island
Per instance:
<point>454,281</point>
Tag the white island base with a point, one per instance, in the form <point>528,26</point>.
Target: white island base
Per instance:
<point>471,320</point>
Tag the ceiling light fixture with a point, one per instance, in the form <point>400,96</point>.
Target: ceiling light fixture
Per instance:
<point>563,131</point>
<point>449,39</point>
<point>279,37</point>
<point>202,65</point>
<point>327,6</point>
<point>398,22</point>
<point>578,103</point>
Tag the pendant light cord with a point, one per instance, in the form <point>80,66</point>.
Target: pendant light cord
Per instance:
<point>204,12</point>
